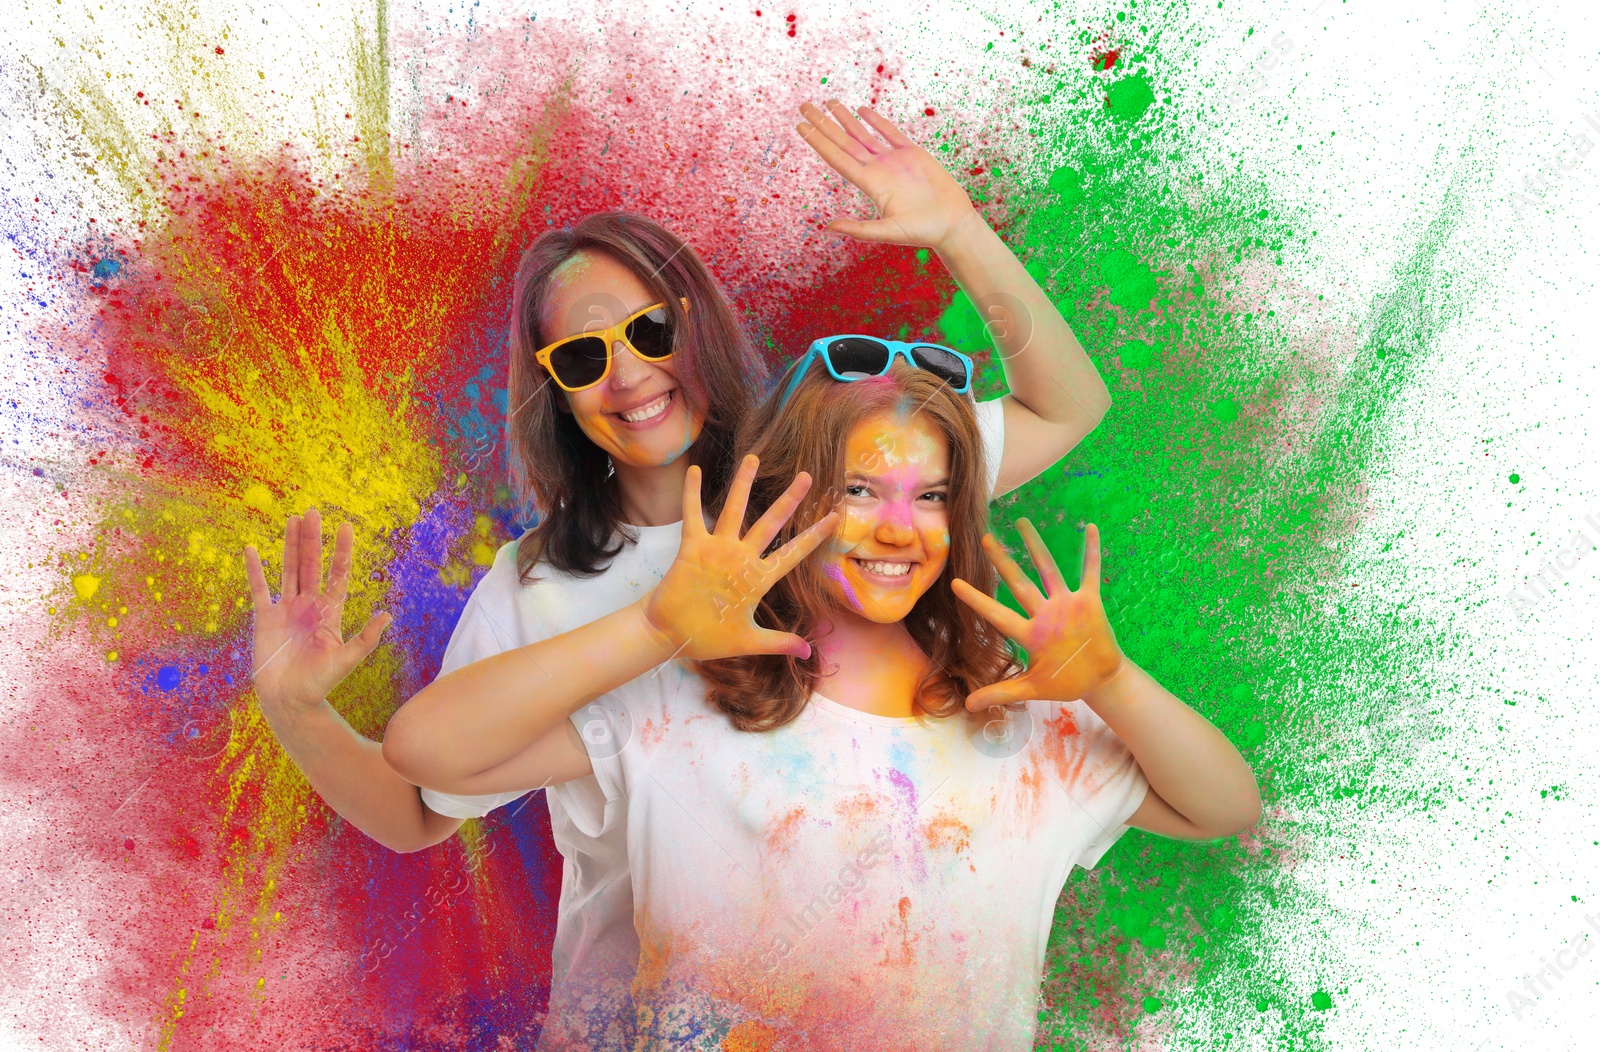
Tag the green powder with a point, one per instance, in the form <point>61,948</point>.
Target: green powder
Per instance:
<point>1224,480</point>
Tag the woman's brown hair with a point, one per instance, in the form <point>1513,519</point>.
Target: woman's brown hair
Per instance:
<point>555,466</point>
<point>810,433</point>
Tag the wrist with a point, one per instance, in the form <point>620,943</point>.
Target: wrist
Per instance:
<point>295,721</point>
<point>659,643</point>
<point>1114,687</point>
<point>960,234</point>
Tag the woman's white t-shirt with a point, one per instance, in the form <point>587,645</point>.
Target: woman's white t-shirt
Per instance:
<point>849,881</point>
<point>596,948</point>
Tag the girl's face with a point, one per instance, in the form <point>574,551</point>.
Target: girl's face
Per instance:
<point>637,414</point>
<point>894,527</point>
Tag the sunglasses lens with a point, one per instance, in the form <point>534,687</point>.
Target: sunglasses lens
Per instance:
<point>943,364</point>
<point>651,334</point>
<point>853,354</point>
<point>579,363</point>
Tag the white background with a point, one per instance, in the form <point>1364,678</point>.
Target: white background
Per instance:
<point>1441,919</point>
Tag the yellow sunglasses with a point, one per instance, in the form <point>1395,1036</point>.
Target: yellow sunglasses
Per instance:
<point>577,363</point>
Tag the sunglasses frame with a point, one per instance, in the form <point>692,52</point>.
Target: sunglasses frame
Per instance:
<point>897,349</point>
<point>611,335</point>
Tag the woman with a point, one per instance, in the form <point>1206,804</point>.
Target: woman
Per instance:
<point>827,849</point>
<point>605,460</point>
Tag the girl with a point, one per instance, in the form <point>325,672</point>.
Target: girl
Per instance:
<point>827,850</point>
<point>603,434</point>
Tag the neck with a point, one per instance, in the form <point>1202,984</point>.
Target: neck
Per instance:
<point>875,666</point>
<point>651,495</point>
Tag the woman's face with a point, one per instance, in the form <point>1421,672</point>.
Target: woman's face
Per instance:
<point>638,413</point>
<point>893,535</point>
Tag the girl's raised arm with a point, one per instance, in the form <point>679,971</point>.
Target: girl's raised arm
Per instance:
<point>1200,787</point>
<point>1057,396</point>
<point>459,729</point>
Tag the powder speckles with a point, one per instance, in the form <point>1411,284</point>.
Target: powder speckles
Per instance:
<point>781,830</point>
<point>945,832</point>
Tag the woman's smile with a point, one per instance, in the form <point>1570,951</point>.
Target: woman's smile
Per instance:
<point>642,415</point>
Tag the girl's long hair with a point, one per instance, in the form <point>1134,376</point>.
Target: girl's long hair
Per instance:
<point>810,433</point>
<point>555,467</point>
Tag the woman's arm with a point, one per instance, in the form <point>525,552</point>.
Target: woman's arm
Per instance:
<point>1200,787</point>
<point>454,733</point>
<point>477,718</point>
<point>299,656</point>
<point>349,773</point>
<point>1057,396</point>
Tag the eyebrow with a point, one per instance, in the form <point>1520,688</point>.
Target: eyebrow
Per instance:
<point>874,478</point>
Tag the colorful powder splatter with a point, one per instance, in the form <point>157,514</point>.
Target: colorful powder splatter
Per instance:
<point>252,326</point>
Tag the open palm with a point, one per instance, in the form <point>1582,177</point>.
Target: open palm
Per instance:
<point>707,600</point>
<point>300,653</point>
<point>919,203</point>
<point>1071,648</point>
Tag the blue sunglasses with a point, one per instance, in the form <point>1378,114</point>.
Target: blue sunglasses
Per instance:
<point>859,357</point>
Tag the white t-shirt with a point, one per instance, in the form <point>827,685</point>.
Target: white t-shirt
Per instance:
<point>850,881</point>
<point>595,949</point>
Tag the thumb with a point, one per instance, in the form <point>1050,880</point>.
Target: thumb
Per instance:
<point>870,230</point>
<point>1005,692</point>
<point>358,646</point>
<point>768,641</point>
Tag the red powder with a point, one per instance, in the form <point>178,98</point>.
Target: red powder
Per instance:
<point>411,257</point>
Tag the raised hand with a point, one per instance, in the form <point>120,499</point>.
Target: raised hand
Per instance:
<point>918,201</point>
<point>1071,648</point>
<point>706,602</point>
<point>300,654</point>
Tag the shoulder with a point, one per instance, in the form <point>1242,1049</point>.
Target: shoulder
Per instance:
<point>528,609</point>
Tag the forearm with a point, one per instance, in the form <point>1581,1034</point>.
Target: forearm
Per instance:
<point>477,717</point>
<point>1045,365</point>
<point>1187,761</point>
<point>349,773</point>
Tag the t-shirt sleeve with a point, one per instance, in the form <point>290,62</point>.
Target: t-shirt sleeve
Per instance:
<point>622,730</point>
<point>477,635</point>
<point>606,727</point>
<point>992,430</point>
<point>1108,785</point>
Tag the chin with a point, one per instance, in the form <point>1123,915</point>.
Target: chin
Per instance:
<point>658,448</point>
<point>888,613</point>
<point>863,601</point>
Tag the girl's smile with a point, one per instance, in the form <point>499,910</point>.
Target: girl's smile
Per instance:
<point>894,528</point>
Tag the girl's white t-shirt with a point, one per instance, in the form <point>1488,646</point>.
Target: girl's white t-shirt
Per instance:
<point>595,949</point>
<point>849,881</point>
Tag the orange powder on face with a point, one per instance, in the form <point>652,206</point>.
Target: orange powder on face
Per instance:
<point>896,458</point>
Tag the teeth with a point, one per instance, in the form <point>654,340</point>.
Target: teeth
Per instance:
<point>648,411</point>
<point>888,569</point>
